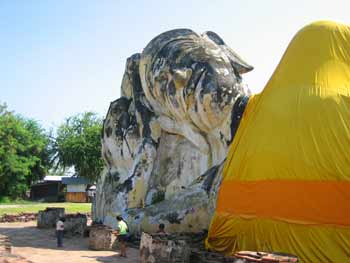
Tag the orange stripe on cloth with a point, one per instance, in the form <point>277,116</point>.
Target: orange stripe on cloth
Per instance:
<point>308,202</point>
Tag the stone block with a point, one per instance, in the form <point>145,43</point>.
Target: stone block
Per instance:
<point>48,217</point>
<point>159,249</point>
<point>75,224</point>
<point>101,238</point>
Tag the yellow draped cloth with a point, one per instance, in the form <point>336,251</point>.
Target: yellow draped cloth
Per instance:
<point>286,181</point>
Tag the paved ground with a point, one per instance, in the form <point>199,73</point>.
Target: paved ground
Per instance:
<point>39,246</point>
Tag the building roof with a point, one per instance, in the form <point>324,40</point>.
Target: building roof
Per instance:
<point>74,180</point>
<point>51,178</point>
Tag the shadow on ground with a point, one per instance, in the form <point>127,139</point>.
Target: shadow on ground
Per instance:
<point>39,245</point>
<point>106,259</point>
<point>30,236</point>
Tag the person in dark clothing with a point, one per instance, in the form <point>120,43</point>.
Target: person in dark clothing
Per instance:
<point>59,231</point>
<point>161,230</point>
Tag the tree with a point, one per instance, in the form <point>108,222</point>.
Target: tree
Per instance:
<point>24,156</point>
<point>78,144</point>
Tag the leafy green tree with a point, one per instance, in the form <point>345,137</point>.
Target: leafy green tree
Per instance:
<point>24,155</point>
<point>78,144</point>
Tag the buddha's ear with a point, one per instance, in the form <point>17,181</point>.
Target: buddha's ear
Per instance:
<point>236,61</point>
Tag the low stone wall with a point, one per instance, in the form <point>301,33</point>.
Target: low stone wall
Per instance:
<point>5,252</point>
<point>49,217</point>
<point>5,244</point>
<point>22,217</point>
<point>75,224</point>
<point>157,249</point>
<point>180,248</point>
<point>101,238</point>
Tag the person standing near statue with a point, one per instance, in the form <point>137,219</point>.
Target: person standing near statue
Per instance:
<point>59,231</point>
<point>161,230</point>
<point>121,232</point>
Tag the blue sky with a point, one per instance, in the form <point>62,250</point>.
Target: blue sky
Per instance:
<point>59,58</point>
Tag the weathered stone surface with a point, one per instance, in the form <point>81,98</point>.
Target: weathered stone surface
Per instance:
<point>164,141</point>
<point>5,244</point>
<point>157,250</point>
<point>6,255</point>
<point>101,238</point>
<point>180,247</point>
<point>48,217</point>
<point>75,224</point>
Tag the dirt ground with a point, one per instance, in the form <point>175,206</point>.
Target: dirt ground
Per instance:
<point>39,246</point>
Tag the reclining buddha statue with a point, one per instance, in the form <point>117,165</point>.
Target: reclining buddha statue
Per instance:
<point>166,137</point>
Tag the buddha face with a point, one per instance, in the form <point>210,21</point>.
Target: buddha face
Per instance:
<point>186,76</point>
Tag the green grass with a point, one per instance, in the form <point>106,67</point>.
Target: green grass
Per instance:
<point>34,207</point>
<point>4,200</point>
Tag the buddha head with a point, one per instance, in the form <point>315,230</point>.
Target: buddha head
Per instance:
<point>192,77</point>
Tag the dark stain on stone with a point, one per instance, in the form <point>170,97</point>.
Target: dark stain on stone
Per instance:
<point>179,169</point>
<point>172,88</point>
<point>236,115</point>
<point>139,97</point>
<point>173,218</point>
<point>115,176</point>
<point>221,136</point>
<point>108,131</point>
<point>107,158</point>
<point>158,197</point>
<point>124,187</point>
<point>128,185</point>
<point>124,120</point>
<point>209,177</point>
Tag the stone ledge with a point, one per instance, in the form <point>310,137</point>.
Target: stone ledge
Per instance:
<point>5,252</point>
